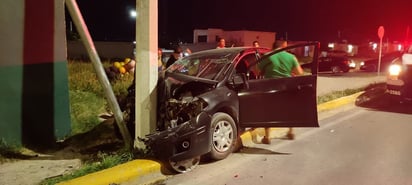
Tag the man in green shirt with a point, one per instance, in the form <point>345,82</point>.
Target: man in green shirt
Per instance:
<point>279,65</point>
<point>282,64</point>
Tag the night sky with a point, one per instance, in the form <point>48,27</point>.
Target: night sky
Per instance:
<point>322,20</point>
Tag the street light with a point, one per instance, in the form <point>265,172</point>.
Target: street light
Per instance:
<point>133,14</point>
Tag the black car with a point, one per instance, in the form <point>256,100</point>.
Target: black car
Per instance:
<point>208,98</point>
<point>372,65</point>
<point>334,64</point>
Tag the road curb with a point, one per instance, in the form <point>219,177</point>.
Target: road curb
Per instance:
<point>338,102</point>
<point>142,171</point>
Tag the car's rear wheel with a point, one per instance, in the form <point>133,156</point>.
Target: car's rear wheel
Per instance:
<point>346,70</point>
<point>336,69</point>
<point>224,136</point>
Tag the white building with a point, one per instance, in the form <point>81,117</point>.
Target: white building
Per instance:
<point>235,38</point>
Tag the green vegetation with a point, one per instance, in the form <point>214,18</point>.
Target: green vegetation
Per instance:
<point>7,152</point>
<point>87,98</point>
<point>337,94</point>
<point>84,107</point>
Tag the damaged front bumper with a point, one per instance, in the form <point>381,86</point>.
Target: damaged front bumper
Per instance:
<point>187,140</point>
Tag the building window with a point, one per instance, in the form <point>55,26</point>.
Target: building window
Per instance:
<point>202,38</point>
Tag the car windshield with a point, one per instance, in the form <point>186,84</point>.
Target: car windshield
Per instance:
<point>205,64</point>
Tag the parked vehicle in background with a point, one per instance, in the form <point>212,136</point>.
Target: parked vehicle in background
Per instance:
<point>372,64</point>
<point>207,98</point>
<point>332,64</point>
<point>337,53</point>
<point>399,81</point>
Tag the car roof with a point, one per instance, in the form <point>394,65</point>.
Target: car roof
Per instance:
<point>229,50</point>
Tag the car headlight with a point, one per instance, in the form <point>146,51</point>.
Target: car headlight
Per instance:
<point>394,69</point>
<point>362,63</point>
<point>352,64</point>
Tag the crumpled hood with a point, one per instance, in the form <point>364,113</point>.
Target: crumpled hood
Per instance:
<point>178,98</point>
<point>170,85</point>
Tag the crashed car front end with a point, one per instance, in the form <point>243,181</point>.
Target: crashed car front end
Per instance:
<point>186,131</point>
<point>186,98</point>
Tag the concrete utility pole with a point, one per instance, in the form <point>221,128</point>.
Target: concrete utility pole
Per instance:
<point>146,68</point>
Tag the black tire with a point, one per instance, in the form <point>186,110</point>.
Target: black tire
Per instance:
<point>346,70</point>
<point>224,136</point>
<point>184,166</point>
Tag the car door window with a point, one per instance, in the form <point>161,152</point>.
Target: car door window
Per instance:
<point>247,65</point>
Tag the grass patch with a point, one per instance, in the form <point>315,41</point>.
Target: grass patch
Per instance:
<point>84,108</point>
<point>87,97</point>
<point>338,94</point>
<point>7,152</point>
<point>82,77</point>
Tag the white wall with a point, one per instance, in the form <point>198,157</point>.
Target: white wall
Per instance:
<point>239,38</point>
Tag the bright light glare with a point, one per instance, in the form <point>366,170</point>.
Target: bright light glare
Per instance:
<point>350,48</point>
<point>331,45</point>
<point>374,46</point>
<point>133,13</point>
<point>352,64</point>
<point>394,69</point>
<point>400,47</point>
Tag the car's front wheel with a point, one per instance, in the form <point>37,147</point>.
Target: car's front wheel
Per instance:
<point>185,165</point>
<point>224,136</point>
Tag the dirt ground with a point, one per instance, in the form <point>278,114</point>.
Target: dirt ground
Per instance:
<point>31,167</point>
<point>33,171</point>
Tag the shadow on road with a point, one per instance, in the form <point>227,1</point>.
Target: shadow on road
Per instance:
<point>376,98</point>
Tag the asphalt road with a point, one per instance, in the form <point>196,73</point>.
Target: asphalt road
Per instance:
<point>369,143</point>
